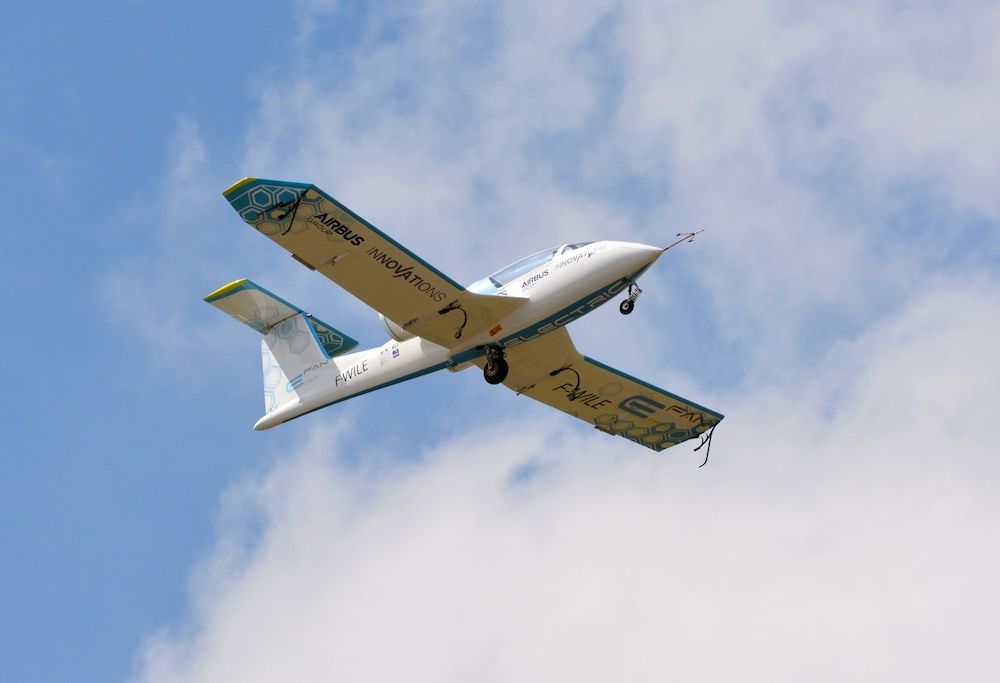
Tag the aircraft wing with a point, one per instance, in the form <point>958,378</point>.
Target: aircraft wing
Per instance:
<point>326,236</point>
<point>609,399</point>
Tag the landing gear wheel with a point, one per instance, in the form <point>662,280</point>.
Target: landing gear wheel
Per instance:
<point>496,368</point>
<point>496,372</point>
<point>628,305</point>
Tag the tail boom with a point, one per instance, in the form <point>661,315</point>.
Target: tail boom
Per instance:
<point>304,360</point>
<point>338,379</point>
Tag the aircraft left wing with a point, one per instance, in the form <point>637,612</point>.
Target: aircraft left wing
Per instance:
<point>549,369</point>
<point>326,236</point>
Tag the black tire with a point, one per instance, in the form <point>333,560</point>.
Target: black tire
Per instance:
<point>627,306</point>
<point>496,371</point>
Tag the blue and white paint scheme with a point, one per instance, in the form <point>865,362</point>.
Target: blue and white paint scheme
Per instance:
<point>511,324</point>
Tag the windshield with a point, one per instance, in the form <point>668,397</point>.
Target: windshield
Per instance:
<point>511,272</point>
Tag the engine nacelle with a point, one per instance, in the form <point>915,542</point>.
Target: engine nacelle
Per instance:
<point>394,330</point>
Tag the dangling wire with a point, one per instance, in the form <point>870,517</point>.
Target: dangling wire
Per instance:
<point>576,389</point>
<point>706,439</point>
<point>293,207</point>
<point>455,306</point>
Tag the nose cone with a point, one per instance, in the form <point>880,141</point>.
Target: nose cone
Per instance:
<point>640,256</point>
<point>651,253</point>
<point>632,259</point>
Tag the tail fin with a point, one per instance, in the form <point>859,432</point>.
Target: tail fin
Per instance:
<point>293,339</point>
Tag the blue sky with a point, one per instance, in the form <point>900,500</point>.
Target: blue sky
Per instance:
<point>840,309</point>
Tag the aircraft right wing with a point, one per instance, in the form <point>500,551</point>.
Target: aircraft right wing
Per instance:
<point>326,236</point>
<point>550,370</point>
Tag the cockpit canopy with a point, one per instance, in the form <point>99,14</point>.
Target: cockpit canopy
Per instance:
<point>515,270</point>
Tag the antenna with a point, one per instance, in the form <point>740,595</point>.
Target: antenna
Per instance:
<point>684,237</point>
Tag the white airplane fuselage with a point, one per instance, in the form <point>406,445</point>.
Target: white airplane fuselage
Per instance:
<point>570,284</point>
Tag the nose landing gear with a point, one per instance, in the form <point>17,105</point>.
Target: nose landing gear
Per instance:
<point>496,368</point>
<point>628,305</point>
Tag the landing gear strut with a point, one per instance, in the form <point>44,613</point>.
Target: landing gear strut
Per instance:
<point>496,365</point>
<point>628,305</point>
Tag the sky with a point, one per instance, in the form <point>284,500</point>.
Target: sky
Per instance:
<point>841,309</point>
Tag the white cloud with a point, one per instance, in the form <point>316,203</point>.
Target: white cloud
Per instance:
<point>856,545</point>
<point>799,131</point>
<point>833,152</point>
<point>844,528</point>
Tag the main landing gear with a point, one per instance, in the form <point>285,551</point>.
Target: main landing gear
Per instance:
<point>496,365</point>
<point>628,305</point>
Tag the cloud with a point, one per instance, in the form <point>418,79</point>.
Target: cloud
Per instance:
<point>834,153</point>
<point>853,545</point>
<point>839,311</point>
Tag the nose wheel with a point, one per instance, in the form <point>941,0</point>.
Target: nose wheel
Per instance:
<point>628,305</point>
<point>496,365</point>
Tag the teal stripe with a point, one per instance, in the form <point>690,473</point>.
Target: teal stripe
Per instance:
<point>274,296</point>
<point>468,354</point>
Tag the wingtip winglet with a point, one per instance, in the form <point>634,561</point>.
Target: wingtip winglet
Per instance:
<point>237,185</point>
<point>225,290</point>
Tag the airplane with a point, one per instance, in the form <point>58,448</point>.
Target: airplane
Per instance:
<point>511,324</point>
